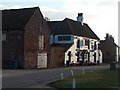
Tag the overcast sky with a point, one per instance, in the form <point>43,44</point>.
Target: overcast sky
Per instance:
<point>100,15</point>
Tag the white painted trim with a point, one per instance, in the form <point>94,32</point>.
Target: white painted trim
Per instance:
<point>117,54</point>
<point>41,42</point>
<point>74,47</point>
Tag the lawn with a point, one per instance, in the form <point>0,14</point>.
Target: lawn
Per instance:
<point>99,79</point>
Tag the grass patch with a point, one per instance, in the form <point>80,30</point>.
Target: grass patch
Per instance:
<point>99,79</point>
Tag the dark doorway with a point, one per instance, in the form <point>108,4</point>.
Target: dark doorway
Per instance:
<point>69,56</point>
<point>95,57</point>
<point>82,54</point>
<point>78,56</point>
<point>88,56</point>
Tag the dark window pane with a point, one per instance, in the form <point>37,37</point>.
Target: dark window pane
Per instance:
<point>95,46</point>
<point>81,42</point>
<point>64,38</point>
<point>86,41</point>
<point>78,43</point>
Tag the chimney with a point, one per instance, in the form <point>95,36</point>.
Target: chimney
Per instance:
<point>80,17</point>
<point>109,37</point>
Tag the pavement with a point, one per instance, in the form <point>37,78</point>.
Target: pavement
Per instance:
<point>10,72</point>
<point>40,78</point>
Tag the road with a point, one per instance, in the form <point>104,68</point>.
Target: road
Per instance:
<point>40,77</point>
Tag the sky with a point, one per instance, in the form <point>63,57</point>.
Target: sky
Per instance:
<point>100,15</point>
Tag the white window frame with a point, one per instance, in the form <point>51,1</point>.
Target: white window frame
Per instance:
<point>41,42</point>
<point>91,43</point>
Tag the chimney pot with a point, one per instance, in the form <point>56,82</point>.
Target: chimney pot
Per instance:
<point>80,14</point>
<point>80,18</point>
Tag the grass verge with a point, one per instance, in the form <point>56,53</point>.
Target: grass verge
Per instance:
<point>99,79</point>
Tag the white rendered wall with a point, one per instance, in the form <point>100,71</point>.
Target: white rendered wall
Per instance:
<point>80,19</point>
<point>73,51</point>
<point>100,52</point>
<point>74,47</point>
<point>117,54</point>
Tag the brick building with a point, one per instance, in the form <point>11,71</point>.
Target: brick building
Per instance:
<point>25,39</point>
<point>57,55</point>
<point>109,49</point>
<point>78,41</point>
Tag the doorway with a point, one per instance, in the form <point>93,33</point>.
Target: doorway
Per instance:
<point>42,60</point>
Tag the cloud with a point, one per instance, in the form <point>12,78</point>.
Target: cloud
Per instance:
<point>105,21</point>
<point>2,7</point>
<point>101,15</point>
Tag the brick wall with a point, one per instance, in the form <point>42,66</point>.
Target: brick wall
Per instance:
<point>56,57</point>
<point>12,49</point>
<point>22,46</point>
<point>35,27</point>
<point>108,49</point>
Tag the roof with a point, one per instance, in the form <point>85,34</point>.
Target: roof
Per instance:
<point>16,18</point>
<point>59,27</point>
<point>69,26</point>
<point>89,32</point>
<point>104,42</point>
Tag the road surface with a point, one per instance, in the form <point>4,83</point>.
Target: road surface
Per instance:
<point>41,77</point>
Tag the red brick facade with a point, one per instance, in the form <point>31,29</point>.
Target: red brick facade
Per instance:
<point>57,57</point>
<point>35,27</point>
<point>12,50</point>
<point>21,48</point>
<point>108,48</point>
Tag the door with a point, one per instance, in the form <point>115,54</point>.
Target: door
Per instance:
<point>95,57</point>
<point>42,60</point>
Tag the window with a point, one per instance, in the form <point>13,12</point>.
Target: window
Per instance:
<point>41,42</point>
<point>92,46</point>
<point>4,37</point>
<point>78,43</point>
<point>87,43</point>
<point>64,38</point>
<point>95,46</point>
<point>81,42</point>
<point>78,56</point>
<point>69,53</point>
